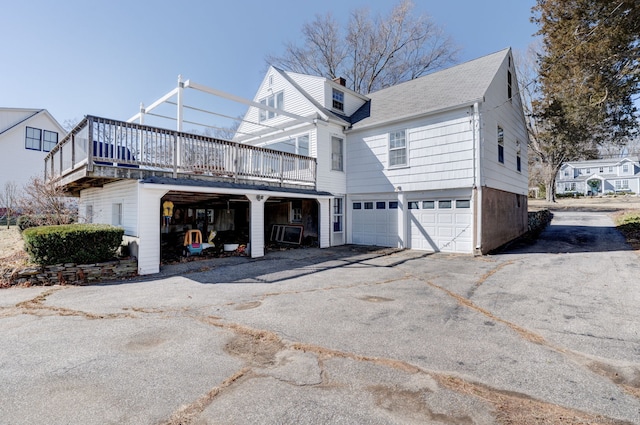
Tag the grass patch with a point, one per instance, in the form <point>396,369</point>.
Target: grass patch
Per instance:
<point>629,224</point>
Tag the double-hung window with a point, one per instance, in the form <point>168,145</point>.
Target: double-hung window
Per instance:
<point>500,145</point>
<point>337,156</point>
<point>116,214</point>
<point>338,213</point>
<point>397,148</point>
<point>338,100</point>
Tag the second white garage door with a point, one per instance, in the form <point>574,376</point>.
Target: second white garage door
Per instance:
<point>441,225</point>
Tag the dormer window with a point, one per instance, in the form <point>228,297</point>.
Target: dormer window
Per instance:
<point>338,100</point>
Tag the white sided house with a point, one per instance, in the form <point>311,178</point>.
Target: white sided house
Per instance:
<point>26,137</point>
<point>599,177</point>
<point>435,164</point>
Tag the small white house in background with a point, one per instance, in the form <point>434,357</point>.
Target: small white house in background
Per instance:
<point>599,177</point>
<point>26,137</point>
<point>438,163</point>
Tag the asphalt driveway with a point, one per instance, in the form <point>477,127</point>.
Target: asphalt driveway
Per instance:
<point>541,333</point>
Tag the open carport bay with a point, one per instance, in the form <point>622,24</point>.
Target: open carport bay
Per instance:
<point>540,334</point>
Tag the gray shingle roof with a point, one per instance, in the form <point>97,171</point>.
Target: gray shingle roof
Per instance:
<point>459,85</point>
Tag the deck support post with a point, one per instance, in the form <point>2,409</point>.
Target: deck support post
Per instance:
<point>256,237</point>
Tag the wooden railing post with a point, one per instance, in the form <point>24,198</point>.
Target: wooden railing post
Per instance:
<point>73,150</point>
<point>89,143</point>
<point>175,155</point>
<point>236,162</point>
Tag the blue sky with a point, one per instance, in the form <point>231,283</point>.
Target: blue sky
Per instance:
<point>103,57</point>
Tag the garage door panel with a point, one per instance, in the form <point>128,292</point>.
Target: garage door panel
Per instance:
<point>438,225</point>
<point>376,226</point>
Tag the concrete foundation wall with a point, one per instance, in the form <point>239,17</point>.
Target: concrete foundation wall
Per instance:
<point>504,217</point>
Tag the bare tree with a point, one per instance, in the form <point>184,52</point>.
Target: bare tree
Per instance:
<point>9,200</point>
<point>70,123</point>
<point>47,203</point>
<point>373,52</point>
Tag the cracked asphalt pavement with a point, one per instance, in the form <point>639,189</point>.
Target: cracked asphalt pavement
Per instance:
<point>541,333</point>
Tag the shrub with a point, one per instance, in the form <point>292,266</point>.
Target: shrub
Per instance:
<point>72,243</point>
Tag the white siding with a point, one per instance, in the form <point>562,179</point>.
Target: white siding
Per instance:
<point>149,230</point>
<point>496,111</point>
<point>440,155</point>
<point>102,200</point>
<point>330,180</point>
<point>314,86</point>
<point>17,163</point>
<point>257,228</point>
<point>324,223</point>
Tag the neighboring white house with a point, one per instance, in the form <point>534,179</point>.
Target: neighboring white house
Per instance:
<point>438,163</point>
<point>600,176</point>
<point>26,136</point>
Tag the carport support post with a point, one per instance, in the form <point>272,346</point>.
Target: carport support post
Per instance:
<point>256,237</point>
<point>403,225</point>
<point>325,223</point>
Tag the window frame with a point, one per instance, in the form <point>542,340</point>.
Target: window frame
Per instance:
<point>518,163</point>
<point>275,100</point>
<point>338,215</point>
<point>500,138</point>
<point>337,99</point>
<point>293,141</point>
<point>117,214</point>
<point>393,148</point>
<point>296,211</point>
<point>337,156</point>
<point>48,145</point>
<point>28,137</point>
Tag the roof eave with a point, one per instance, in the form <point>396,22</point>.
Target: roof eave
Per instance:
<point>409,117</point>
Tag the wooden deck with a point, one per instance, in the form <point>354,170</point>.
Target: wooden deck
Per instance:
<point>100,150</point>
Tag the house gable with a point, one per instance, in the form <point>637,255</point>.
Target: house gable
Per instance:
<point>19,163</point>
<point>278,91</point>
<point>504,162</point>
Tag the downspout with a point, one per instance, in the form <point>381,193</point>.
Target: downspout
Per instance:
<point>477,176</point>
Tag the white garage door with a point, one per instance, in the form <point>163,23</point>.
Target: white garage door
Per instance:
<point>375,222</point>
<point>441,225</point>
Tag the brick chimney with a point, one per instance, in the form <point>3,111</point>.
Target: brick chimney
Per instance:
<point>340,81</point>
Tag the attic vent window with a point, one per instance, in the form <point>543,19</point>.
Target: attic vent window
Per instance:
<point>509,91</point>
<point>338,100</point>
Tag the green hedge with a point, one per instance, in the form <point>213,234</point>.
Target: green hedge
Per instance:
<point>72,243</point>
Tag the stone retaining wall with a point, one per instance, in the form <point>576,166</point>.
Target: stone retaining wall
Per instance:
<point>72,274</point>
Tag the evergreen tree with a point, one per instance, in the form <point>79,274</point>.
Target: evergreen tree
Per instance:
<point>588,75</point>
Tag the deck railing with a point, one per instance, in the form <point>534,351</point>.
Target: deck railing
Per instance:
<point>105,142</point>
